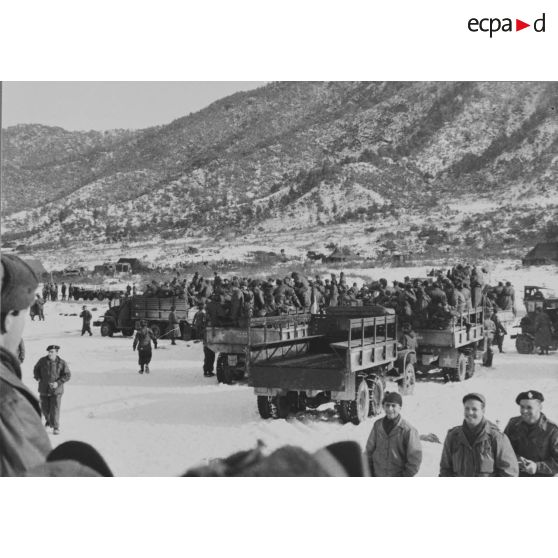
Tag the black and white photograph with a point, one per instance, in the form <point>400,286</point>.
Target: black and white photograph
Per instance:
<point>277,279</point>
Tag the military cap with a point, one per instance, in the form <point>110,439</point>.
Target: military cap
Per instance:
<point>53,348</point>
<point>19,283</point>
<point>392,397</point>
<point>476,396</point>
<point>531,394</point>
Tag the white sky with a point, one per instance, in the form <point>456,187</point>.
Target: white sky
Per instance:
<point>103,105</point>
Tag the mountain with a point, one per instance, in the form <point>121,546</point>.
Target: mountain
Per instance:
<point>414,163</point>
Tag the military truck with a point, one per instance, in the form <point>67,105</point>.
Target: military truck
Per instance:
<point>451,351</point>
<point>253,339</point>
<point>536,297</point>
<point>126,314</point>
<point>346,357</point>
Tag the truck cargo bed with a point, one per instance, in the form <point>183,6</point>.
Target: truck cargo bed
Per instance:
<point>323,371</point>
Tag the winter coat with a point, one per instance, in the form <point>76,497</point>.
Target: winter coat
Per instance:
<point>23,438</point>
<point>47,371</point>
<point>397,454</point>
<point>173,320</point>
<point>491,455</point>
<point>489,329</point>
<point>143,339</point>
<point>538,444</point>
<point>86,315</point>
<point>543,330</point>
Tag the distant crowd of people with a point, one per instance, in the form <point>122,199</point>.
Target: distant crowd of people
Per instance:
<point>433,301</point>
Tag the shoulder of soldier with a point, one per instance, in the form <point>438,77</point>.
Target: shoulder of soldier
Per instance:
<point>452,432</point>
<point>551,424</point>
<point>513,423</point>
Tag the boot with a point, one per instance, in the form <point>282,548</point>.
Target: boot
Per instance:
<point>146,369</point>
<point>56,431</point>
<point>140,370</point>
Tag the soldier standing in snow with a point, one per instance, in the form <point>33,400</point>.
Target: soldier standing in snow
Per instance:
<point>63,291</point>
<point>393,448</point>
<point>52,373</point>
<point>533,437</point>
<point>142,341</point>
<point>477,448</point>
<point>86,325</point>
<point>173,325</point>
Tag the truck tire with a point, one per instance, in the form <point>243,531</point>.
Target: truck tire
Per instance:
<point>460,373</point>
<point>524,344</point>
<point>264,406</point>
<point>407,383</point>
<point>128,332</point>
<point>268,408</point>
<point>224,373</point>
<point>470,371</point>
<point>100,297</point>
<point>106,329</point>
<point>156,329</point>
<point>356,411</point>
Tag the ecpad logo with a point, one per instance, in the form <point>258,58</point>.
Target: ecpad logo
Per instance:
<point>492,25</point>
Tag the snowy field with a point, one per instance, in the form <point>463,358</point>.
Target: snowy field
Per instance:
<point>162,423</point>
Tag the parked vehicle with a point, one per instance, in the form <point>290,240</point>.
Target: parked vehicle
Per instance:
<point>81,293</point>
<point>253,340</point>
<point>346,358</point>
<point>536,297</point>
<point>125,316</point>
<point>452,351</point>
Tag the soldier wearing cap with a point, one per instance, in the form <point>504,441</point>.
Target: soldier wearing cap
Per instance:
<point>23,439</point>
<point>533,437</point>
<point>477,448</point>
<point>142,341</point>
<point>393,448</point>
<point>52,373</point>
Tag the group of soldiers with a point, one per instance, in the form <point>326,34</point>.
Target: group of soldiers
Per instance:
<point>54,292</point>
<point>476,448</point>
<point>433,301</point>
<point>527,447</point>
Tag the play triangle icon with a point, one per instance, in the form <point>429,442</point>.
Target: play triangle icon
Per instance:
<point>519,25</point>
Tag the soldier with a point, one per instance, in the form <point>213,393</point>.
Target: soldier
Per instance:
<point>477,448</point>
<point>23,439</point>
<point>173,325</point>
<point>393,448</point>
<point>500,331</point>
<point>52,373</point>
<point>63,291</point>
<point>533,437</point>
<point>489,332</point>
<point>86,321</point>
<point>543,331</point>
<point>142,341</point>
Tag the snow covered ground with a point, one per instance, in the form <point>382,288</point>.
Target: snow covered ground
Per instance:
<point>162,423</point>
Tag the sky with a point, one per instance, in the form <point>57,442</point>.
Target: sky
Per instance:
<point>105,105</point>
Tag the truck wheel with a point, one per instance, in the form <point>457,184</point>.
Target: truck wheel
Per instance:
<point>269,407</point>
<point>224,372</point>
<point>524,345</point>
<point>128,332</point>
<point>407,383</point>
<point>100,297</point>
<point>356,411</point>
<point>106,329</point>
<point>460,373</point>
<point>156,329</point>
<point>470,371</point>
<point>265,407</point>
